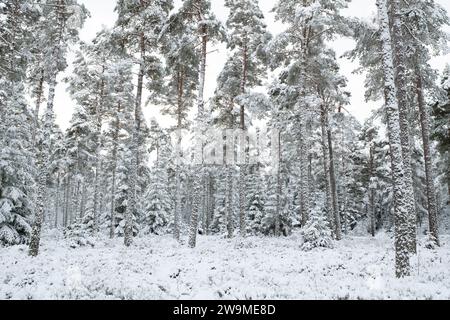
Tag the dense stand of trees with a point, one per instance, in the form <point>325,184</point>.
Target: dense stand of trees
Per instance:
<point>329,173</point>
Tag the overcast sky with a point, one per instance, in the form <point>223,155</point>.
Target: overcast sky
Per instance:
<point>102,13</point>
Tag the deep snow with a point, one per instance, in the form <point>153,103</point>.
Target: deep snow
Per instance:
<point>253,268</point>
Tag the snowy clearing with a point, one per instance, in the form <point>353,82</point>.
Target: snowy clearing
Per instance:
<point>253,268</point>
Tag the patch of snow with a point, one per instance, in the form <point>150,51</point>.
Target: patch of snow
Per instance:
<point>157,267</point>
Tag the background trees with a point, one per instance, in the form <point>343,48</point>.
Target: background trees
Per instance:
<point>117,172</point>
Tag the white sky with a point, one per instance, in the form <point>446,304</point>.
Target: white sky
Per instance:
<point>102,13</point>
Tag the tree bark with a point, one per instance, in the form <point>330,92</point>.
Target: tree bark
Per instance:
<point>371,192</point>
<point>131,209</point>
<point>197,188</point>
<point>243,166</point>
<point>425,126</point>
<point>402,98</point>
<point>326,161</point>
<point>401,207</point>
<point>334,196</point>
<point>98,133</point>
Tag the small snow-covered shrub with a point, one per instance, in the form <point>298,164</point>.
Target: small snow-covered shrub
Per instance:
<point>316,232</point>
<point>430,242</point>
<point>81,234</point>
<point>14,217</point>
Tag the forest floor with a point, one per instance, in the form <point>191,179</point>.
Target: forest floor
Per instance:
<point>250,268</point>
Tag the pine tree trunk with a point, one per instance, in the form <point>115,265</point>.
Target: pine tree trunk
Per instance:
<point>229,202</point>
<point>371,193</point>
<point>334,196</point>
<point>243,166</point>
<point>303,155</point>
<point>57,200</point>
<point>279,189</point>
<point>82,194</point>
<point>176,227</point>
<point>401,207</point>
<point>177,212</point>
<point>425,126</point>
<point>43,165</point>
<point>98,132</point>
<point>36,230</point>
<point>44,148</point>
<point>402,98</point>
<point>326,161</point>
<point>39,93</point>
<point>114,171</point>
<point>131,209</point>
<point>197,188</point>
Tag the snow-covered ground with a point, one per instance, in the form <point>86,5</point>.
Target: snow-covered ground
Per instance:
<point>253,268</point>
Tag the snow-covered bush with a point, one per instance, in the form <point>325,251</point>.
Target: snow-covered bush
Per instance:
<point>78,235</point>
<point>316,232</point>
<point>14,224</point>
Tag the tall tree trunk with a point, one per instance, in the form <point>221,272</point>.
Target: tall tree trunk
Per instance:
<point>402,98</point>
<point>326,161</point>
<point>371,192</point>
<point>131,209</point>
<point>334,196</point>
<point>243,166</point>
<point>197,188</point>
<point>279,188</point>
<point>42,166</point>
<point>177,213</point>
<point>57,202</point>
<point>114,170</point>
<point>43,158</point>
<point>304,181</point>
<point>400,181</point>
<point>425,126</point>
<point>39,94</point>
<point>98,133</point>
<point>229,201</point>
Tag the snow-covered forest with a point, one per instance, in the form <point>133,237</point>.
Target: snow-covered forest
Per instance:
<point>269,189</point>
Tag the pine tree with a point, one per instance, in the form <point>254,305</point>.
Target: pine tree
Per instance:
<point>60,15</point>
<point>316,233</point>
<point>424,24</point>
<point>247,38</point>
<point>17,168</point>
<point>141,23</point>
<point>179,49</point>
<point>440,130</point>
<point>297,49</point>
<point>198,14</point>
